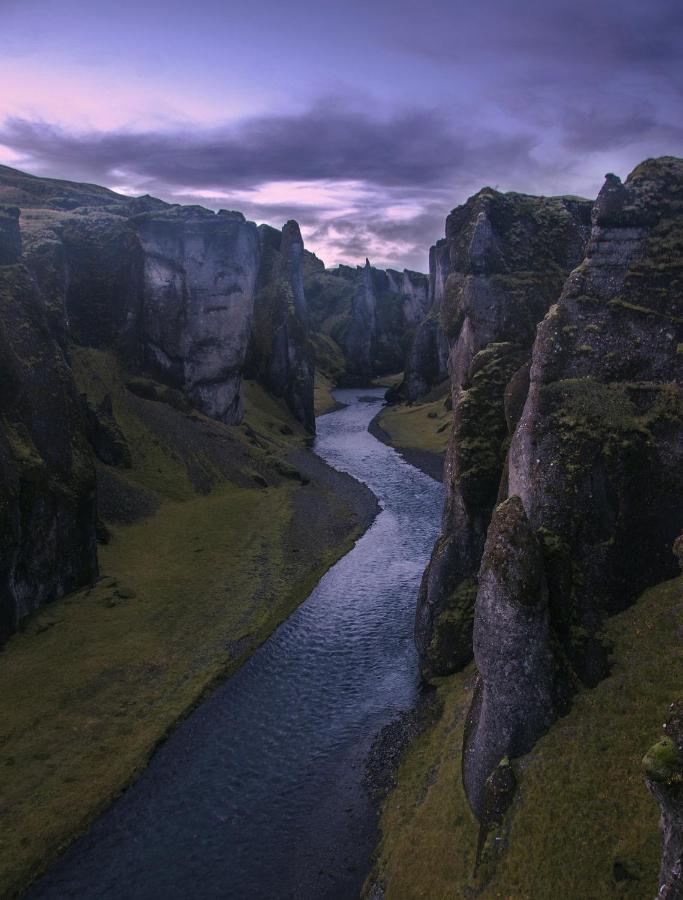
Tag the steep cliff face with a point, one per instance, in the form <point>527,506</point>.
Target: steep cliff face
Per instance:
<point>199,281</point>
<point>370,314</point>
<point>47,478</point>
<point>281,351</point>
<point>597,456</point>
<point>508,255</point>
<point>427,357</point>
<point>169,292</point>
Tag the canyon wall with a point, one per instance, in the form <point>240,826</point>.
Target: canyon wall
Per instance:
<point>47,476</point>
<point>369,314</point>
<point>594,471</point>
<point>174,293</point>
<point>506,256</point>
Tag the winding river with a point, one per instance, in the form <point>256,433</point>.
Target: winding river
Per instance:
<point>259,793</point>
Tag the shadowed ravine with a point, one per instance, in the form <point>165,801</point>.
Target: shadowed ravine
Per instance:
<point>259,792</point>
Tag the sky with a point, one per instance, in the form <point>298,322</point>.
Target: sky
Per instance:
<point>365,121</point>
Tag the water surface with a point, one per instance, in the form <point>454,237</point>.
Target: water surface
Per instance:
<point>259,794</point>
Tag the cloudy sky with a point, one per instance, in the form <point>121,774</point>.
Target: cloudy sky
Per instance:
<point>366,120</point>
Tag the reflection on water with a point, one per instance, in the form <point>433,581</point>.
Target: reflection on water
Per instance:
<point>258,793</point>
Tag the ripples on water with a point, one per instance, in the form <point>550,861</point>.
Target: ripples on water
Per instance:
<point>258,793</point>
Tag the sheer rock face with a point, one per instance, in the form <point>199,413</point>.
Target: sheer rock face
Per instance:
<point>663,765</point>
<point>199,281</point>
<point>427,357</point>
<point>513,702</point>
<point>370,313</point>
<point>170,290</point>
<point>508,255</point>
<point>281,354</point>
<point>597,456</point>
<point>47,478</point>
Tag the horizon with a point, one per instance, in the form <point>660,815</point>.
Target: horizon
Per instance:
<point>366,126</point>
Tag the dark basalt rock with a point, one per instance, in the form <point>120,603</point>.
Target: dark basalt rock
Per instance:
<point>281,353</point>
<point>663,765</point>
<point>105,435</point>
<point>596,460</point>
<point>47,478</point>
<point>514,703</point>
<point>508,255</point>
<point>368,314</point>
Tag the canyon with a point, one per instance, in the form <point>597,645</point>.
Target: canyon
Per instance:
<point>156,355</point>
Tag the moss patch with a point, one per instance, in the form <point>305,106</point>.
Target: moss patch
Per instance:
<point>583,823</point>
<point>420,426</point>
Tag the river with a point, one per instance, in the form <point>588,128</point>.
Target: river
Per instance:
<point>259,793</point>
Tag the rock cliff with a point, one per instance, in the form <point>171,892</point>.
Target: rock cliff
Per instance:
<point>369,314</point>
<point>281,353</point>
<point>170,292</point>
<point>47,477</point>
<point>596,461</point>
<point>507,256</point>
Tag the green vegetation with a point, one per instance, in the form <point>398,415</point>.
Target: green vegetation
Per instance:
<point>582,823</point>
<point>419,426</point>
<point>189,588</point>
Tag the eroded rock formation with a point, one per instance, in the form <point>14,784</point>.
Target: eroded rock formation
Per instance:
<point>281,351</point>
<point>170,291</point>
<point>47,477</point>
<point>596,459</point>
<point>368,314</point>
<point>508,255</point>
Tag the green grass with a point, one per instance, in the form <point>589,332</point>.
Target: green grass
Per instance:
<point>421,426</point>
<point>96,680</point>
<point>323,400</point>
<point>583,824</point>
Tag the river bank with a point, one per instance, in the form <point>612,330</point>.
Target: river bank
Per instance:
<point>214,537</point>
<point>276,756</point>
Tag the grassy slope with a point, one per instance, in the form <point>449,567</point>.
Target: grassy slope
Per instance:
<point>420,426</point>
<point>583,825</point>
<point>97,679</point>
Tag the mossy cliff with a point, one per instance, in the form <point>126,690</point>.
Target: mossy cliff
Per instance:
<point>363,318</point>
<point>500,267</point>
<point>597,456</point>
<point>569,681</point>
<point>281,351</point>
<point>170,291</point>
<point>47,476</point>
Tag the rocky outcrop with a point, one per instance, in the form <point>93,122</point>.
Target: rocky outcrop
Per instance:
<point>513,703</point>
<point>597,456</point>
<point>281,353</point>
<point>427,358</point>
<point>370,315</point>
<point>508,255</point>
<point>199,280</point>
<point>663,765</point>
<point>170,291</point>
<point>47,478</point>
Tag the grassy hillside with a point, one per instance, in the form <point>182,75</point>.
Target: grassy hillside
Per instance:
<point>214,537</point>
<point>583,824</point>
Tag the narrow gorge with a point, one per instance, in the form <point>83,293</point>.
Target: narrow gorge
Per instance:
<point>251,645</point>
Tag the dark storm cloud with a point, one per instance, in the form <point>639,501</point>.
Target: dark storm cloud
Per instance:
<point>412,148</point>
